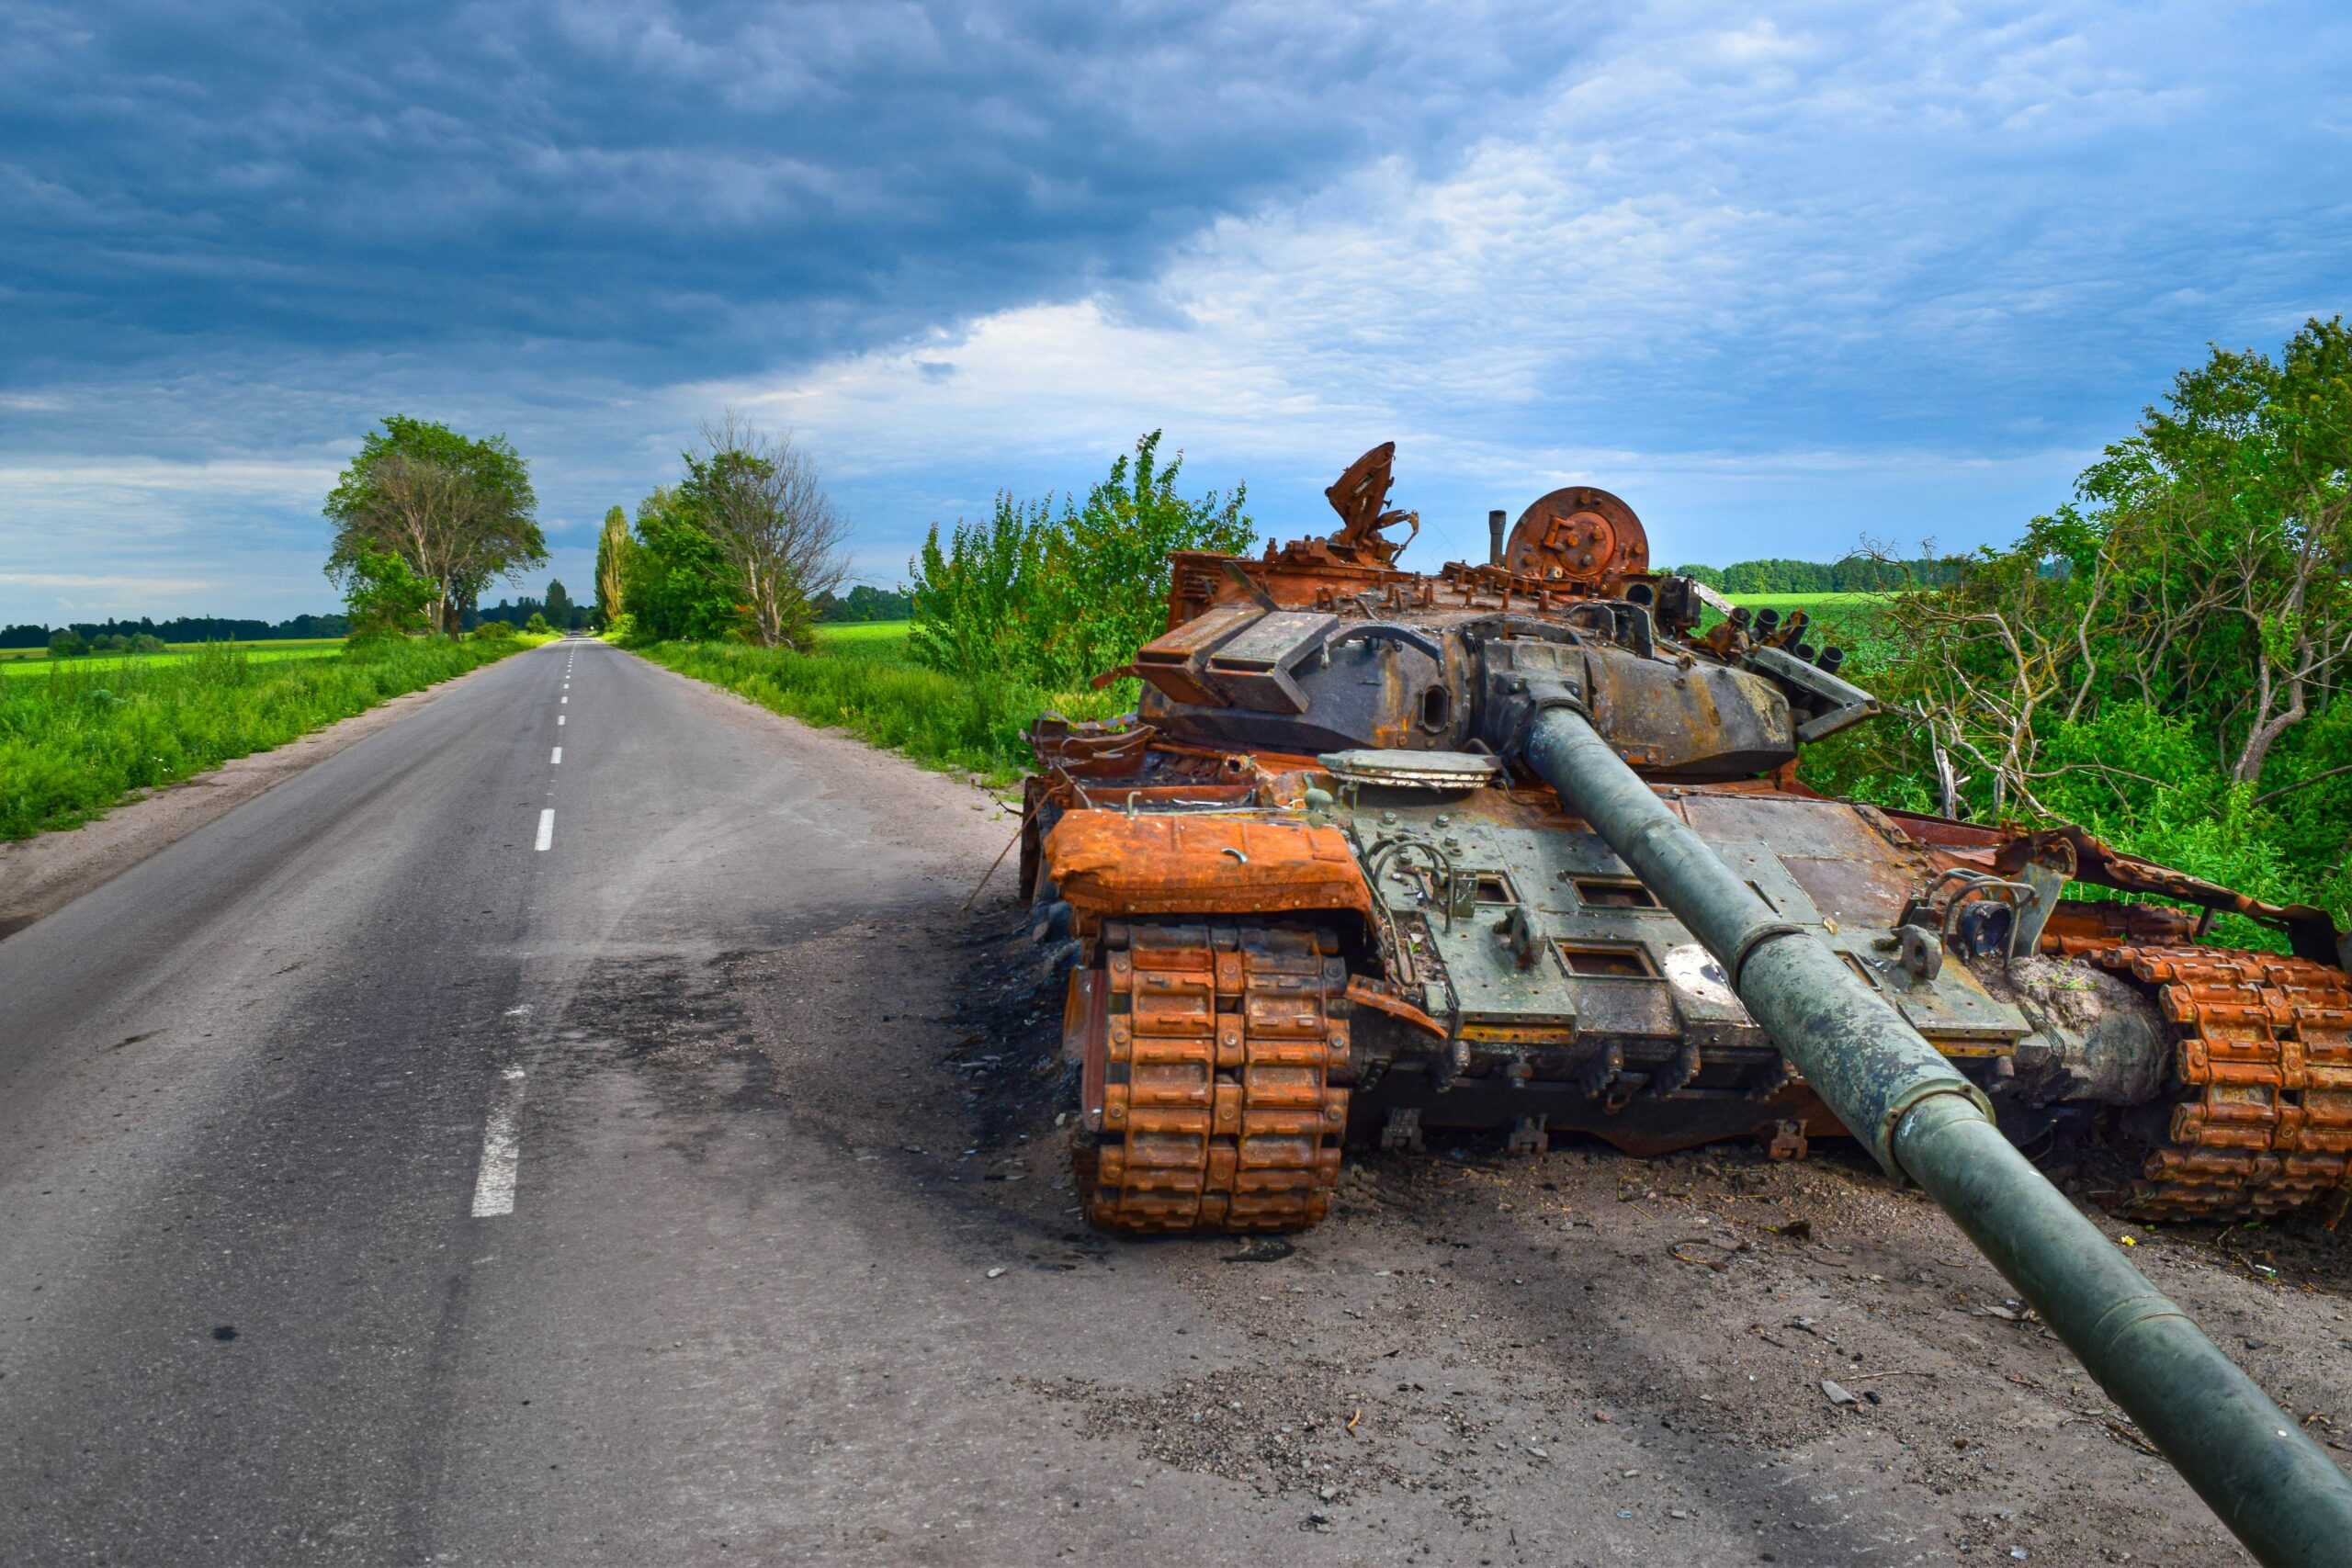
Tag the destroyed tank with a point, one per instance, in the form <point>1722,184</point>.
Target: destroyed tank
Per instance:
<point>1520,849</point>
<point>1325,897</point>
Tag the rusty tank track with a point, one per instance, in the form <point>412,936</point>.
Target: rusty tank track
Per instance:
<point>1217,1109</point>
<point>2263,1050</point>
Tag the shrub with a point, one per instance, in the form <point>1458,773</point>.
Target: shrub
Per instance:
<point>493,631</point>
<point>1055,599</point>
<point>537,625</point>
<point>66,643</point>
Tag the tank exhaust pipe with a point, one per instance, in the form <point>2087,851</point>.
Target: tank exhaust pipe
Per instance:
<point>2268,1481</point>
<point>1494,538</point>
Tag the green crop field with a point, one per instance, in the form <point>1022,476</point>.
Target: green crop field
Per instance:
<point>95,731</point>
<point>861,637</point>
<point>35,662</point>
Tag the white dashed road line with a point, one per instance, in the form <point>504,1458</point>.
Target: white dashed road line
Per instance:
<point>502,1149</point>
<point>547,828</point>
<point>556,760</point>
<point>559,718</point>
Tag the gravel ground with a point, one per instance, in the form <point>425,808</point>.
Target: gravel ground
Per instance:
<point>1711,1356</point>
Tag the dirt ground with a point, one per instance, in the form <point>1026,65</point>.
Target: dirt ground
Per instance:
<point>1583,1357</point>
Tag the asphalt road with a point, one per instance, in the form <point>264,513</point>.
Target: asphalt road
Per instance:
<point>456,1155</point>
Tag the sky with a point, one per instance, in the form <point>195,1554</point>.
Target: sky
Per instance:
<point>1787,278</point>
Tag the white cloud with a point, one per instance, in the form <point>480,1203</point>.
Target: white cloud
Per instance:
<point>1841,268</point>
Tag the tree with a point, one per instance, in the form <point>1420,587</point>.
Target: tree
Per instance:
<point>613,547</point>
<point>66,643</point>
<point>459,512</point>
<point>386,598</point>
<point>538,624</point>
<point>558,605</point>
<point>677,585</point>
<point>2201,573</point>
<point>758,498</point>
<point>1107,571</point>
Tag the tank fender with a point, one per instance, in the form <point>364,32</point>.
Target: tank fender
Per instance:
<point>1108,863</point>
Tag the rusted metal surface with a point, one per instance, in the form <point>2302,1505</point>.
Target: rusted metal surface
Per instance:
<point>1580,534</point>
<point>2263,1049</point>
<point>1108,863</point>
<point>1207,1052</point>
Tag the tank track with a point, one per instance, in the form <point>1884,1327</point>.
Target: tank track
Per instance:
<point>1219,1113</point>
<point>2263,1053</point>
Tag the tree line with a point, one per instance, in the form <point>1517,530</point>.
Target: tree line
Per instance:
<point>101,636</point>
<point>1859,573</point>
<point>745,544</point>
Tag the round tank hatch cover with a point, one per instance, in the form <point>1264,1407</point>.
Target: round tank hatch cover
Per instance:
<point>1691,969</point>
<point>1412,770</point>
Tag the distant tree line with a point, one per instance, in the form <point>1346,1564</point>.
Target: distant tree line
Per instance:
<point>101,635</point>
<point>556,612</point>
<point>864,603</point>
<point>1854,574</point>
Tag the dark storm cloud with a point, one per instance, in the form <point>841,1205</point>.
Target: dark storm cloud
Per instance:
<point>665,190</point>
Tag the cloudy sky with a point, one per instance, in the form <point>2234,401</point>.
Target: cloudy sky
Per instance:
<point>1784,275</point>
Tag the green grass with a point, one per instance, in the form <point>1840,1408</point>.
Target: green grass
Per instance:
<point>864,681</point>
<point>92,731</point>
<point>291,643</point>
<point>260,653</point>
<point>847,634</point>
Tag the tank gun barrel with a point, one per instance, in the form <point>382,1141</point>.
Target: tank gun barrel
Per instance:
<point>2275,1489</point>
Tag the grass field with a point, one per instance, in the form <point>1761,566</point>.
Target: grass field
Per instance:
<point>844,635</point>
<point>253,652</point>
<point>41,655</point>
<point>95,730</point>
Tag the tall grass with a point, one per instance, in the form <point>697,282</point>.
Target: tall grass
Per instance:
<point>74,740</point>
<point>863,680</point>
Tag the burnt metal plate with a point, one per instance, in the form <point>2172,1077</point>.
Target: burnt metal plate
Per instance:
<point>1382,769</point>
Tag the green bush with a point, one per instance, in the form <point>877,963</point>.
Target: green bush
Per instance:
<point>537,625</point>
<point>75,740</point>
<point>1055,599</point>
<point>385,598</point>
<point>674,580</point>
<point>66,643</point>
<point>493,631</point>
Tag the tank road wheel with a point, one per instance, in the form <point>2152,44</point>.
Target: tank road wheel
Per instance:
<point>2262,1061</point>
<point>1206,1053</point>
